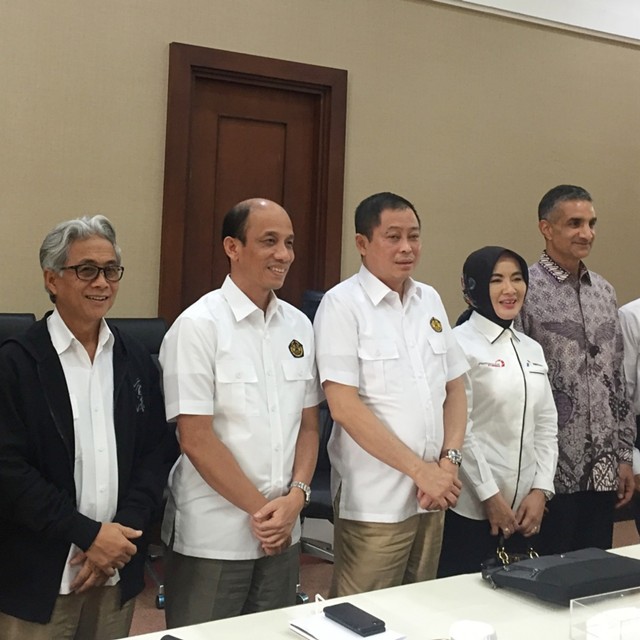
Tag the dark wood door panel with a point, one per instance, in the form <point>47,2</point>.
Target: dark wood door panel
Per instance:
<point>249,136</point>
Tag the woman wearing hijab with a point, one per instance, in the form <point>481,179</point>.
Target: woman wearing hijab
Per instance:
<point>510,449</point>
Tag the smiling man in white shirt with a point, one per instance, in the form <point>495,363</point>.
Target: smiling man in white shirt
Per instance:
<point>241,382</point>
<point>392,374</point>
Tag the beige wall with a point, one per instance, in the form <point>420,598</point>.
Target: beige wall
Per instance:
<point>470,116</point>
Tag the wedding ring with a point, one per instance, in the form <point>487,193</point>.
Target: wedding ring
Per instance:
<point>507,530</point>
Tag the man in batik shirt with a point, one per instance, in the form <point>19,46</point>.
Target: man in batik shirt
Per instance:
<point>572,313</point>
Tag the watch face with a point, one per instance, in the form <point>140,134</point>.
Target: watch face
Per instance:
<point>455,456</point>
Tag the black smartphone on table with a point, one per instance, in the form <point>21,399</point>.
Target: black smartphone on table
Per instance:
<point>354,618</point>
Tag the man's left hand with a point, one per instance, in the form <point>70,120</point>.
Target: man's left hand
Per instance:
<point>625,484</point>
<point>89,575</point>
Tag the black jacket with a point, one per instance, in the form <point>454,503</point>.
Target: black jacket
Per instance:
<point>38,515</point>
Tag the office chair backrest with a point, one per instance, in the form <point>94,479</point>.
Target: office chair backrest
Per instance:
<point>310,301</point>
<point>320,506</point>
<point>13,323</point>
<point>149,331</point>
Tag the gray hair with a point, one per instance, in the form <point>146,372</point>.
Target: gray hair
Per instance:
<point>54,250</point>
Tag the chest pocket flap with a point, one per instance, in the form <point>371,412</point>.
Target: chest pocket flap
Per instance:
<point>438,344</point>
<point>376,349</point>
<point>297,369</point>
<point>235,369</point>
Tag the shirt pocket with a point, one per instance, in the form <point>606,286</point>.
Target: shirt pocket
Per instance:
<point>297,373</point>
<point>537,378</point>
<point>536,368</point>
<point>236,387</point>
<point>438,344</point>
<point>378,364</point>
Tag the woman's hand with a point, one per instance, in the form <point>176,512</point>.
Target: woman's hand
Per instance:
<point>501,516</point>
<point>530,512</point>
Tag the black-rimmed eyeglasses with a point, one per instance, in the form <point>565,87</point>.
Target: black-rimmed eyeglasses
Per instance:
<point>90,272</point>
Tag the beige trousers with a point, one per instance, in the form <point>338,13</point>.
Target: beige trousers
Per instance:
<point>94,615</point>
<point>377,555</point>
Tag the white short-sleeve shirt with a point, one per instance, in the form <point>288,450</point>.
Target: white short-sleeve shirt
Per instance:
<point>254,373</point>
<point>511,443</point>
<point>399,354</point>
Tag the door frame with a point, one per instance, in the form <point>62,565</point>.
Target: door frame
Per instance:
<point>187,63</point>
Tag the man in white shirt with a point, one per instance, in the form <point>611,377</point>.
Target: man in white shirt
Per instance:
<point>82,442</point>
<point>240,380</point>
<point>629,315</point>
<point>392,373</point>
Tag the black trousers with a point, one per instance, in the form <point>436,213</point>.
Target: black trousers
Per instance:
<point>467,543</point>
<point>577,521</point>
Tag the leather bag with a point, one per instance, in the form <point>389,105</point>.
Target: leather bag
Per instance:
<point>563,577</point>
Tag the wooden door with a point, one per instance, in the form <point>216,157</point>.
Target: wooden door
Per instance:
<point>238,127</point>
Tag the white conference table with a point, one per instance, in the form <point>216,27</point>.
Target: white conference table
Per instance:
<point>423,611</point>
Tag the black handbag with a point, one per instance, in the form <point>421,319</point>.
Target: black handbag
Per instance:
<point>561,578</point>
<point>505,557</point>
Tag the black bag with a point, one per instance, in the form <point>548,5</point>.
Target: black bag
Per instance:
<point>504,557</point>
<point>560,578</point>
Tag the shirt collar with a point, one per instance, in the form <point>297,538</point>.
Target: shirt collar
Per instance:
<point>560,273</point>
<point>242,306</point>
<point>62,338</point>
<point>378,290</point>
<point>490,330</point>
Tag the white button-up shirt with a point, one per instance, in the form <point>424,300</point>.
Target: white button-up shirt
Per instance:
<point>90,386</point>
<point>629,315</point>
<point>254,373</point>
<point>511,443</point>
<point>399,354</point>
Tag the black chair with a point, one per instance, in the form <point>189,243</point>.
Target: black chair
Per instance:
<point>320,506</point>
<point>13,323</point>
<point>150,332</point>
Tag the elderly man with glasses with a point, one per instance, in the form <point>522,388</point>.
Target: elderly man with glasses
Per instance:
<point>82,447</point>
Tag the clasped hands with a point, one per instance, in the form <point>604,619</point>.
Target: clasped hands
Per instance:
<point>438,485</point>
<point>526,520</point>
<point>111,550</point>
<point>273,523</point>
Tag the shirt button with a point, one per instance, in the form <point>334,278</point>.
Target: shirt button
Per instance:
<point>238,376</point>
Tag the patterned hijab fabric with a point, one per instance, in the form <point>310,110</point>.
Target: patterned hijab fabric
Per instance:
<point>476,277</point>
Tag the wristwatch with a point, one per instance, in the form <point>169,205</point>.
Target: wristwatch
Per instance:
<point>547,494</point>
<point>452,455</point>
<point>305,487</point>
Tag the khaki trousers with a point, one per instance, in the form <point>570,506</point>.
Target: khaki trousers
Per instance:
<point>377,555</point>
<point>94,615</point>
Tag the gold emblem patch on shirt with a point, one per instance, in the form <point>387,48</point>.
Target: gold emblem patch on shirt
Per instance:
<point>436,325</point>
<point>296,349</point>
